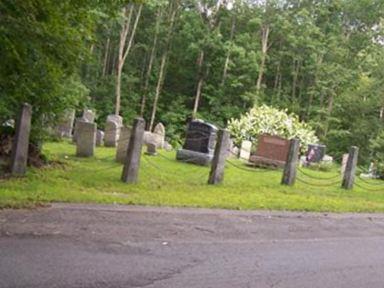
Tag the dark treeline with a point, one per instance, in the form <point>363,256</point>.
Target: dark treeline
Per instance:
<point>209,59</point>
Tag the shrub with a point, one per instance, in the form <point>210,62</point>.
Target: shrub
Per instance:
<point>269,120</point>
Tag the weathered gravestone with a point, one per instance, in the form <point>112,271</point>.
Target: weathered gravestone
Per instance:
<point>245,150</point>
<point>112,130</point>
<point>88,115</point>
<point>271,151</point>
<point>199,143</point>
<point>99,138</point>
<point>315,153</point>
<point>65,125</point>
<point>86,139</point>
<point>151,149</point>
<point>20,146</point>
<point>122,145</point>
<point>159,135</point>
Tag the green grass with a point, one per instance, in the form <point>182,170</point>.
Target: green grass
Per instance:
<point>166,182</point>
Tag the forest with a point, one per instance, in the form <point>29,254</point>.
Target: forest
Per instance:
<point>169,61</point>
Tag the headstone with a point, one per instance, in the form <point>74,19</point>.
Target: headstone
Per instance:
<point>122,145</point>
<point>65,125</point>
<point>245,150</point>
<point>88,116</point>
<point>159,135</point>
<point>112,133</point>
<point>99,138</point>
<point>199,143</point>
<point>86,139</point>
<point>315,153</point>
<point>327,159</point>
<point>271,151</point>
<point>116,118</point>
<point>20,146</point>
<point>151,149</point>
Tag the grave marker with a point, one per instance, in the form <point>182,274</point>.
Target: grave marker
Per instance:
<point>199,144</point>
<point>86,139</point>
<point>245,150</point>
<point>271,151</point>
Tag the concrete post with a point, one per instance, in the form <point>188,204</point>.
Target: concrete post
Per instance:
<point>20,146</point>
<point>289,175</point>
<point>350,169</point>
<point>218,163</point>
<point>132,161</point>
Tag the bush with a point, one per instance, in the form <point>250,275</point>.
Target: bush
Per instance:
<point>269,120</point>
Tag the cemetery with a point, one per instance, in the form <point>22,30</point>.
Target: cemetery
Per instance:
<point>207,171</point>
<point>191,143</point>
<point>193,103</point>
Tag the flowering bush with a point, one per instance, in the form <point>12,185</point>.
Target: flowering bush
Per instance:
<point>269,120</point>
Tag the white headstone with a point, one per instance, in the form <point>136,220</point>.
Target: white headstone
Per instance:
<point>159,135</point>
<point>99,138</point>
<point>245,150</point>
<point>88,116</point>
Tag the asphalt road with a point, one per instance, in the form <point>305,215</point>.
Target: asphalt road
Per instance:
<point>116,246</point>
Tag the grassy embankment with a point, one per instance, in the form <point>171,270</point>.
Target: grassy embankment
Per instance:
<point>166,182</point>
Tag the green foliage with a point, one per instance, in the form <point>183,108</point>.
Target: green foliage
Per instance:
<point>268,120</point>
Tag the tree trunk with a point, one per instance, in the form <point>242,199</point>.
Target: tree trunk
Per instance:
<point>264,50</point>
<point>160,80</point>
<point>226,64</point>
<point>199,83</point>
<point>296,69</point>
<point>150,64</point>
<point>106,56</point>
<point>158,90</point>
<point>123,51</point>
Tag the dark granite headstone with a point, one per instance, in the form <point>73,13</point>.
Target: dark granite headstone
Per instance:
<point>315,153</point>
<point>199,143</point>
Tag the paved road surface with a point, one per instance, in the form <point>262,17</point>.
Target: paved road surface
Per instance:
<point>116,246</point>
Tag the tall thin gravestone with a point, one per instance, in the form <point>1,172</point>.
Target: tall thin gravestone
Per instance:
<point>350,169</point>
<point>20,146</point>
<point>218,163</point>
<point>132,161</point>
<point>289,175</point>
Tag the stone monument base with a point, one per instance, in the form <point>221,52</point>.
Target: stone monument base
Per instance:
<point>259,161</point>
<point>194,157</point>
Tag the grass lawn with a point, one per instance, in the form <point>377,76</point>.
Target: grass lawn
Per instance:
<point>166,182</point>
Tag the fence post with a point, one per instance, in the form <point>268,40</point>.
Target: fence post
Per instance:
<point>19,157</point>
<point>289,175</point>
<point>132,160</point>
<point>216,174</point>
<point>350,169</point>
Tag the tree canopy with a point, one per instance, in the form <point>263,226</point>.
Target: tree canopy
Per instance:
<point>210,59</point>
